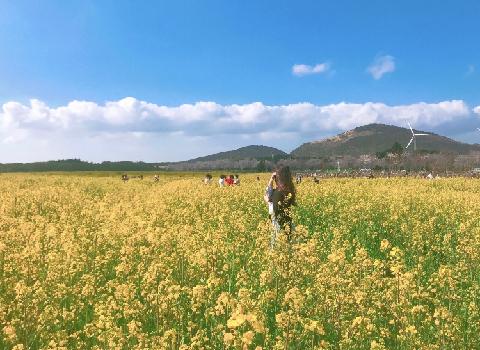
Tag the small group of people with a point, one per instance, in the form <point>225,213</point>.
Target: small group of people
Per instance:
<point>230,180</point>
<point>125,177</point>
<point>299,178</point>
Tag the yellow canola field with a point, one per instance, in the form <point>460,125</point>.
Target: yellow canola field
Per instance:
<point>94,263</point>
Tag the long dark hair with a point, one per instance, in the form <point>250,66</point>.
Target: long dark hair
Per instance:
<point>285,183</point>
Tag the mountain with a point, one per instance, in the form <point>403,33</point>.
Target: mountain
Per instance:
<point>368,139</point>
<point>248,152</point>
<point>373,138</point>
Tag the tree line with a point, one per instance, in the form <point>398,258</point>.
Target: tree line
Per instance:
<point>78,165</point>
<point>392,159</point>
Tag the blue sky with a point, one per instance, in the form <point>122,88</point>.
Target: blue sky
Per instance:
<point>133,64</point>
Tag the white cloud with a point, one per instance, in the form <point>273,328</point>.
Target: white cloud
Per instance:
<point>210,118</point>
<point>477,110</point>
<point>117,124</point>
<point>305,69</point>
<point>381,65</point>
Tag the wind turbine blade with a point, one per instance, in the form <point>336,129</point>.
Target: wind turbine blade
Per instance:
<point>411,140</point>
<point>410,128</point>
<point>421,134</point>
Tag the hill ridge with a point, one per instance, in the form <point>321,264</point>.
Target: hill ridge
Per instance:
<point>246,152</point>
<point>377,137</point>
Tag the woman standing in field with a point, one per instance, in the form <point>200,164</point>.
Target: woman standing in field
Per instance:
<point>279,201</point>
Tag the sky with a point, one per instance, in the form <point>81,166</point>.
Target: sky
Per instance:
<point>166,81</point>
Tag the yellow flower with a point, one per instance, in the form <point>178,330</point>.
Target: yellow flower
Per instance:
<point>247,337</point>
<point>384,244</point>
<point>10,333</point>
<point>236,321</point>
<point>228,338</point>
<point>411,330</point>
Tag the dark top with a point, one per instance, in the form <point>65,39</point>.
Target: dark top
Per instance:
<point>281,207</point>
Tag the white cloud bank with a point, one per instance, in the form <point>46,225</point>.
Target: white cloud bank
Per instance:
<point>305,69</point>
<point>477,110</point>
<point>210,118</point>
<point>381,65</point>
<point>38,124</point>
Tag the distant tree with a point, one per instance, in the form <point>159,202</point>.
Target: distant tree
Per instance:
<point>381,155</point>
<point>396,149</point>
<point>261,167</point>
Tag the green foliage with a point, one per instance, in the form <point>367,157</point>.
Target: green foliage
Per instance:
<point>261,168</point>
<point>397,149</point>
<point>78,165</point>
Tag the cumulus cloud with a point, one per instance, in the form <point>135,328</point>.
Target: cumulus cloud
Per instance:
<point>130,115</point>
<point>305,69</point>
<point>381,65</point>
<point>139,130</point>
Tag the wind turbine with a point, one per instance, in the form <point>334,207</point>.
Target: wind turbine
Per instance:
<point>414,139</point>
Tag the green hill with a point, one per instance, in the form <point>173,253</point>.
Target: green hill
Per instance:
<point>248,152</point>
<point>373,138</point>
